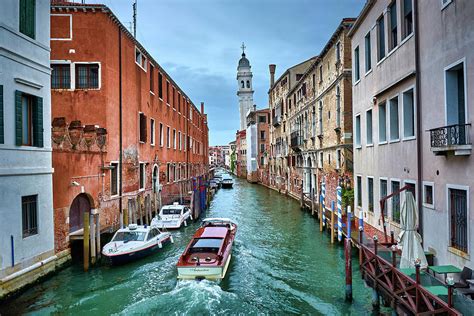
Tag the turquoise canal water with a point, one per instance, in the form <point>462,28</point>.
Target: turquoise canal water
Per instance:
<point>281,264</point>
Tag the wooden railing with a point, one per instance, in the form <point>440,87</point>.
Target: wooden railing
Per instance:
<point>403,289</point>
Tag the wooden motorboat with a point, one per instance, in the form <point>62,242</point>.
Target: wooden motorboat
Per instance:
<point>208,254</point>
<point>134,242</point>
<point>227,183</point>
<point>172,216</point>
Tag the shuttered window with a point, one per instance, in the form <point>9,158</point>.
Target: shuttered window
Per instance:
<point>143,127</point>
<point>2,133</point>
<point>27,17</point>
<point>28,120</point>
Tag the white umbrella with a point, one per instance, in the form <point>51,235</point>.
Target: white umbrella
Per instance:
<point>409,239</point>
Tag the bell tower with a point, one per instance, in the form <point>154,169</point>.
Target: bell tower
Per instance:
<point>245,91</point>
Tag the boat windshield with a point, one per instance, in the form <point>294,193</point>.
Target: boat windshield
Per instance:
<point>129,236</point>
<point>206,245</point>
<point>170,211</point>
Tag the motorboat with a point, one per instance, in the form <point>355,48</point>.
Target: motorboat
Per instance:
<point>227,183</point>
<point>172,216</point>
<point>208,254</point>
<point>134,242</point>
<point>214,184</point>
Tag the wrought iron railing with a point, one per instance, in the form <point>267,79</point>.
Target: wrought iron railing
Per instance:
<point>276,120</point>
<point>296,139</point>
<point>451,135</point>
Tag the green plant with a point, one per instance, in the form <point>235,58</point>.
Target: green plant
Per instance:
<point>347,197</point>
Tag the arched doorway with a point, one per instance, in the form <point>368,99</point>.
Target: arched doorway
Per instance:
<point>80,204</point>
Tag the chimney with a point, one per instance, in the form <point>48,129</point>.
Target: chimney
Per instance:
<point>272,74</point>
<point>202,107</point>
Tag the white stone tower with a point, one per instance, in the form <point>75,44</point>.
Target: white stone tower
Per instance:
<point>245,92</point>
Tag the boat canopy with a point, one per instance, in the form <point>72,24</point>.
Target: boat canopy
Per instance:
<point>170,211</point>
<point>126,236</point>
<point>206,245</point>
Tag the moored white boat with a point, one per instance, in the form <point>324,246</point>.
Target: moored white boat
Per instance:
<point>134,242</point>
<point>208,254</point>
<point>227,183</point>
<point>172,216</point>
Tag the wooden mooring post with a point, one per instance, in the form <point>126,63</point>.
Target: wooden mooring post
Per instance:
<point>92,236</point>
<point>312,201</point>
<point>321,213</point>
<point>375,293</point>
<point>97,227</point>
<point>86,241</point>
<point>302,196</point>
<point>348,257</point>
<point>332,222</point>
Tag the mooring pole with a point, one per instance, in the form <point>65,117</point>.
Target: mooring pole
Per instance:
<point>97,226</point>
<point>302,195</point>
<point>347,253</point>
<point>323,193</point>
<point>375,293</point>
<point>312,201</point>
<point>417,295</point>
<point>361,232</point>
<point>349,221</point>
<point>333,226</point>
<point>339,214</point>
<point>85,235</point>
<point>320,213</point>
<point>92,241</point>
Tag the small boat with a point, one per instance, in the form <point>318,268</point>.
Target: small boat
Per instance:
<point>134,242</point>
<point>172,216</point>
<point>227,183</point>
<point>208,254</point>
<point>213,184</point>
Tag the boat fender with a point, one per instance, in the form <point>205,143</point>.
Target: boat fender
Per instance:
<point>191,217</point>
<point>160,245</point>
<point>171,239</point>
<point>185,223</point>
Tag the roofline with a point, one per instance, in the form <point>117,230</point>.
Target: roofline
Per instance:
<point>287,71</point>
<point>345,22</point>
<point>368,5</point>
<point>105,9</point>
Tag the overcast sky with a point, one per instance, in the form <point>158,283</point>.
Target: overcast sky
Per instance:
<point>198,43</point>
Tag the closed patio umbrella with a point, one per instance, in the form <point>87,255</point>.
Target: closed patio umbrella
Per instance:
<point>409,239</point>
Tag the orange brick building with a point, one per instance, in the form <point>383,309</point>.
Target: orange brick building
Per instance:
<point>126,138</point>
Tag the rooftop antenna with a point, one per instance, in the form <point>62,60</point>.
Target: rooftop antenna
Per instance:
<point>135,18</point>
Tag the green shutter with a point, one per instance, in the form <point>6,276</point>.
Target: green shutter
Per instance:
<point>2,137</point>
<point>38,123</point>
<point>18,119</point>
<point>28,17</point>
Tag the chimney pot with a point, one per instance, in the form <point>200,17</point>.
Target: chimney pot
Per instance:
<point>202,107</point>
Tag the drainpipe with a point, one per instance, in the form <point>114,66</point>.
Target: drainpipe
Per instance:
<point>120,124</point>
<point>419,138</point>
<point>13,250</point>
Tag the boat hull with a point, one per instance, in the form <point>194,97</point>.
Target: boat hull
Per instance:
<point>227,185</point>
<point>212,273</point>
<point>120,259</point>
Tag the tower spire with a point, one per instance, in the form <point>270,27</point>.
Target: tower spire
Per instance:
<point>243,48</point>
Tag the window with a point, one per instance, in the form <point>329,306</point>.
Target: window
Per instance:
<point>338,52</point>
<point>114,174</point>
<point>27,17</point>
<point>161,135</point>
<point>152,78</point>
<point>262,119</point>
<point>320,118</point>
<point>87,76</point>
<point>320,74</point>
<point>407,18</point>
<point>392,10</point>
<point>320,160</point>
<point>152,130</point>
<point>27,105</point>
<point>29,206</point>
<point>179,140</point>
<point>357,131</point>
<point>61,76</point>
<point>445,3</point>
<point>395,201</point>
<point>368,51</point>
<point>394,128</point>
<point>369,127</point>
<point>262,161</point>
<point>174,139</point>
<point>179,102</point>
<point>168,173</point>
<point>173,97</point>
<point>338,159</point>
<point>168,137</point>
<point>408,114</point>
<point>167,92</point>
<point>383,193</point>
<point>382,122</point>
<point>142,127</point>
<point>370,193</point>
<point>248,84</point>
<point>456,97</point>
<point>140,59</point>
<point>381,38</point>
<point>338,107</point>
<point>458,206</point>
<point>359,191</point>
<point>28,120</point>
<point>142,175</point>
<point>428,194</point>
<point>356,64</point>
<point>411,188</point>
<point>262,134</point>
<point>160,86</point>
<point>242,84</point>
<point>262,148</point>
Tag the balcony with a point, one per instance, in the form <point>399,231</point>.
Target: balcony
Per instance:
<point>276,120</point>
<point>296,141</point>
<point>452,138</point>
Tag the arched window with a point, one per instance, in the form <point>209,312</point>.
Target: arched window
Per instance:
<point>248,84</point>
<point>242,83</point>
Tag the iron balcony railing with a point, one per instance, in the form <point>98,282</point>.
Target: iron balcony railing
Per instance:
<point>451,135</point>
<point>296,139</point>
<point>276,120</point>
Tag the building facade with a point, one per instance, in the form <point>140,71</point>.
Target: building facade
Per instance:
<point>320,120</point>
<point>257,143</point>
<point>135,138</point>
<point>384,107</point>
<point>26,228</point>
<point>447,111</point>
<point>279,104</point>
<point>241,153</point>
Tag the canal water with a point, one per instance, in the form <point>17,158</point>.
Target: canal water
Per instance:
<point>281,264</point>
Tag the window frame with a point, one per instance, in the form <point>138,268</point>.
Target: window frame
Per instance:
<point>391,217</point>
<point>64,64</point>
<point>32,23</point>
<point>381,53</point>
<point>152,132</point>
<point>114,164</point>
<point>75,74</point>
<point>140,127</point>
<point>143,59</point>
<point>358,131</point>
<point>391,43</point>
<point>404,29</point>
<point>384,104</point>
<point>373,194</point>
<point>152,79</point>
<point>448,205</point>
<point>390,139</point>
<point>356,65</point>
<point>381,197</point>
<point>358,195</point>
<point>432,185</point>
<point>466,107</point>
<point>368,53</point>
<point>168,136</point>
<point>142,176</point>
<point>371,143</point>
<point>30,231</point>
<point>412,89</point>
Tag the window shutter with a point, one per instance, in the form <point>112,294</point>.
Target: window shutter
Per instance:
<point>23,16</point>
<point>38,122</point>
<point>30,18</point>
<point>2,138</point>
<point>18,119</point>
